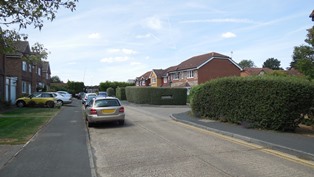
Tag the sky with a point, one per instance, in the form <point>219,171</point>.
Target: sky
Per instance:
<point>117,40</point>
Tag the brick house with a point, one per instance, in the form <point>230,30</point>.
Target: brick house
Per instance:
<point>19,76</point>
<point>196,70</point>
<point>2,77</point>
<point>143,80</point>
<point>255,71</point>
<point>202,68</point>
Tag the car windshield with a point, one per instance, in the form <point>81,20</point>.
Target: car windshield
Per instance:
<point>102,94</point>
<point>106,103</point>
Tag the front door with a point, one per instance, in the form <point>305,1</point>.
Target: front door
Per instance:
<point>10,88</point>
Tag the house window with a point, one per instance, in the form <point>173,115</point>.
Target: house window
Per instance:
<point>176,76</point>
<point>165,80</point>
<point>30,68</point>
<point>39,71</point>
<point>190,74</point>
<point>24,88</point>
<point>153,80</point>
<point>29,88</point>
<point>47,76</point>
<point>24,66</point>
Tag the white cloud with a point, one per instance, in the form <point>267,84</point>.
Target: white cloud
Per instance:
<point>123,51</point>
<point>143,36</point>
<point>135,63</point>
<point>94,36</point>
<point>223,20</point>
<point>114,59</point>
<point>153,23</point>
<point>228,35</point>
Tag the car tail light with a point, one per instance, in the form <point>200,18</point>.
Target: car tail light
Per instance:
<point>93,111</point>
<point>121,109</point>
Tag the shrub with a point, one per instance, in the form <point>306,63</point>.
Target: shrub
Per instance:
<point>278,103</point>
<point>120,93</point>
<point>110,91</point>
<point>156,95</point>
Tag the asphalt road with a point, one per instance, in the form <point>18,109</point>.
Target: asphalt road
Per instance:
<point>60,149</point>
<point>151,144</point>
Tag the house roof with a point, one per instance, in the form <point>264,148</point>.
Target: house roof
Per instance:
<point>294,72</point>
<point>21,48</point>
<point>200,60</point>
<point>144,76</point>
<point>312,15</point>
<point>159,72</point>
<point>256,71</point>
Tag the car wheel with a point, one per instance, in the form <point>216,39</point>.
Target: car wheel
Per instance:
<point>50,104</point>
<point>60,102</point>
<point>121,122</point>
<point>20,104</point>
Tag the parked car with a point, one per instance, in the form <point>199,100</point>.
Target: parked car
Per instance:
<point>89,99</point>
<point>62,99</point>
<point>39,98</point>
<point>80,95</point>
<point>104,109</point>
<point>102,94</point>
<point>66,94</point>
<point>86,96</point>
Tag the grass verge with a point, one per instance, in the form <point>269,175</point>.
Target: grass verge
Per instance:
<point>19,125</point>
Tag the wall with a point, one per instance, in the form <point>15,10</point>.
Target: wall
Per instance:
<point>217,68</point>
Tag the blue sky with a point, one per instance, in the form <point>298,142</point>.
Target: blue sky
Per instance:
<point>117,40</point>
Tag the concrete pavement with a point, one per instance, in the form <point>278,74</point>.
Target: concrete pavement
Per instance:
<point>299,145</point>
<point>61,148</point>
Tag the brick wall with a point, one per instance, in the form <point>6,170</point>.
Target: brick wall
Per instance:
<point>217,68</point>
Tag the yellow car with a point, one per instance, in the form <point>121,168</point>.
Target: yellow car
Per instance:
<point>40,98</point>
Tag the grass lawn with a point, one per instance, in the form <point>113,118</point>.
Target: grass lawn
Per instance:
<point>19,125</point>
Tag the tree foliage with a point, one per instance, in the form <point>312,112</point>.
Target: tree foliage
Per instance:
<point>75,87</point>
<point>24,13</point>
<point>34,12</point>
<point>55,79</point>
<point>303,56</point>
<point>103,86</point>
<point>246,64</point>
<point>272,63</point>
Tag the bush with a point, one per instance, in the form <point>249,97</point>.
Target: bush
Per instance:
<point>156,96</point>
<point>110,91</point>
<point>120,93</point>
<point>277,103</point>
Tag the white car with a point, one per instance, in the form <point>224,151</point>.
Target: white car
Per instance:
<point>65,94</point>
<point>62,99</point>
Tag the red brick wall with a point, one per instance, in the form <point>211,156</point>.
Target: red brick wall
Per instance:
<point>2,81</point>
<point>13,68</point>
<point>217,68</point>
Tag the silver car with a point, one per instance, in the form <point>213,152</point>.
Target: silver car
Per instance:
<point>104,109</point>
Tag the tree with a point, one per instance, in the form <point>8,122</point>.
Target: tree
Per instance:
<point>246,64</point>
<point>25,13</point>
<point>303,56</point>
<point>75,87</point>
<point>55,79</point>
<point>272,63</point>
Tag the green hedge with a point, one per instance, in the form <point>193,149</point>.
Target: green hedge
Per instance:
<point>277,103</point>
<point>120,93</point>
<point>156,95</point>
<point>110,91</point>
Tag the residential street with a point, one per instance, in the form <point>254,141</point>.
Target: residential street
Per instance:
<point>151,144</point>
